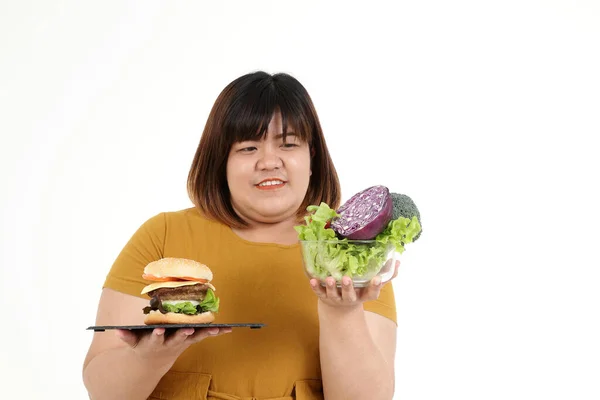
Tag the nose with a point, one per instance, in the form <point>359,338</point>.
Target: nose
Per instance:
<point>268,160</point>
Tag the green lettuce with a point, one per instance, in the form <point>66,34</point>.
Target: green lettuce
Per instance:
<point>399,232</point>
<point>315,228</point>
<point>210,303</point>
<point>182,308</point>
<point>327,255</point>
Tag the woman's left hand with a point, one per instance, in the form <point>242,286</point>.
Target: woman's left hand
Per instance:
<point>348,295</point>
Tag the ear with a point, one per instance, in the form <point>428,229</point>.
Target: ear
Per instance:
<point>312,152</point>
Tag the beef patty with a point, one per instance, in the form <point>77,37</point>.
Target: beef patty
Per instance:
<point>191,292</point>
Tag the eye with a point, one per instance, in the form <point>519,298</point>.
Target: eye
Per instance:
<point>247,149</point>
<point>289,145</point>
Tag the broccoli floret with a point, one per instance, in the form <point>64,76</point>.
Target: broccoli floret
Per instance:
<point>405,207</point>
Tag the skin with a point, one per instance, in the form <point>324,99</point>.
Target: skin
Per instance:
<point>357,348</point>
<point>271,214</point>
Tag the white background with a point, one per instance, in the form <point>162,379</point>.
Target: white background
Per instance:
<point>483,112</point>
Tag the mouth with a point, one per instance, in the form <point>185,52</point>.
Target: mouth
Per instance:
<point>270,184</point>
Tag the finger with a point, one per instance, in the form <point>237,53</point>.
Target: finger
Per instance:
<point>372,292</point>
<point>387,267</point>
<point>348,292</point>
<point>396,270</point>
<point>318,288</point>
<point>332,291</point>
<point>202,334</point>
<point>156,337</point>
<point>127,336</point>
<point>222,331</point>
<point>179,337</point>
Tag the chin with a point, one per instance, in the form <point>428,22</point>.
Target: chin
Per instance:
<point>270,218</point>
<point>267,211</point>
<point>274,213</point>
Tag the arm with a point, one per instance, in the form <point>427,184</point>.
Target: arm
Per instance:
<point>111,369</point>
<point>357,353</point>
<point>357,347</point>
<point>126,366</point>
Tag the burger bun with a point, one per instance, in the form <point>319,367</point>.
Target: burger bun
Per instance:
<point>178,267</point>
<point>155,317</point>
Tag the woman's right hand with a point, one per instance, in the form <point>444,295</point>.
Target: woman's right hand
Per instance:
<point>151,349</point>
<point>161,349</point>
<point>128,364</point>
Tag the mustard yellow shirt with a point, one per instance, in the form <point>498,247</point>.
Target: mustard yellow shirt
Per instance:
<point>255,282</point>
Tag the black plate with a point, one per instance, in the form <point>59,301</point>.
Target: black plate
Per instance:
<point>103,328</point>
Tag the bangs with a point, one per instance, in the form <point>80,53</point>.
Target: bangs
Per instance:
<point>248,116</point>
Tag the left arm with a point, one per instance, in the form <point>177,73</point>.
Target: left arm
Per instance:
<point>357,350</point>
<point>357,347</point>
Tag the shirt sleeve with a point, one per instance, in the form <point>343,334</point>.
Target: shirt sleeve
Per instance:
<point>385,305</point>
<point>146,245</point>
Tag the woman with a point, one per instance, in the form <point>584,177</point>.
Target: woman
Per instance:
<point>319,342</point>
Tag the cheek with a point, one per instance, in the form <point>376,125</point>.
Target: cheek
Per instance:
<point>238,174</point>
<point>301,168</point>
<point>233,172</point>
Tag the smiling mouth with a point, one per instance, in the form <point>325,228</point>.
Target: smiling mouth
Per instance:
<point>271,184</point>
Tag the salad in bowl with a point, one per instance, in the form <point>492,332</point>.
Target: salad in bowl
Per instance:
<point>362,239</point>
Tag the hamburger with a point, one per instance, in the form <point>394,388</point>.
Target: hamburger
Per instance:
<point>181,292</point>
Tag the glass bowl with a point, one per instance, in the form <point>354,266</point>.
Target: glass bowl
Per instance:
<point>361,260</point>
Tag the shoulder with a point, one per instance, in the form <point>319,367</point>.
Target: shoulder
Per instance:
<point>182,216</point>
<point>189,225</point>
<point>187,217</point>
<point>160,226</point>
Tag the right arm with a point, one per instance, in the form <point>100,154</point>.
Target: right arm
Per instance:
<point>126,365</point>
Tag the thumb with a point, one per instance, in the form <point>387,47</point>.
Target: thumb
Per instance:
<point>127,336</point>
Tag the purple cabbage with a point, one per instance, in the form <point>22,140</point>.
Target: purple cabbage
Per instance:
<point>364,215</point>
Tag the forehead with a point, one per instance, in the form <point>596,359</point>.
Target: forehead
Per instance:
<point>276,126</point>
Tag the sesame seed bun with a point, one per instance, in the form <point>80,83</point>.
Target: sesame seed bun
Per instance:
<point>178,267</point>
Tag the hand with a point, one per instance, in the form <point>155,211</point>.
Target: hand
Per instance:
<point>348,296</point>
<point>161,349</point>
